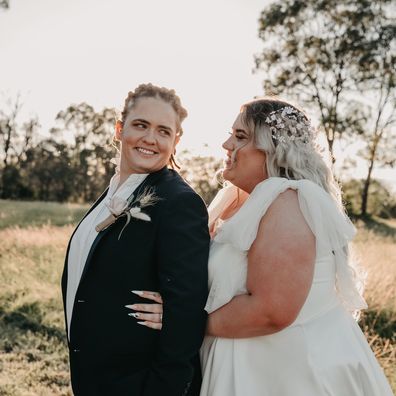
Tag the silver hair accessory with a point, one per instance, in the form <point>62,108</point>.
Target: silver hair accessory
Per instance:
<point>289,124</point>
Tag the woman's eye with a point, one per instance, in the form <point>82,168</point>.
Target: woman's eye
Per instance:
<point>238,136</point>
<point>139,125</point>
<point>164,132</point>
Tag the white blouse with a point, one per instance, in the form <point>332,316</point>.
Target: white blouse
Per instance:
<point>86,234</point>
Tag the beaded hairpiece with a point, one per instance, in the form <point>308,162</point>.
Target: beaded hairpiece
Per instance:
<point>290,124</point>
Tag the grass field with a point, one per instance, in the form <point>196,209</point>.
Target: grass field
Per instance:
<point>33,356</point>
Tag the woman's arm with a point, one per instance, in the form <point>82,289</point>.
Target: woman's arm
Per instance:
<point>280,271</point>
<point>182,260</point>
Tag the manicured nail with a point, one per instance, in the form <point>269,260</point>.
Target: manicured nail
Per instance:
<point>141,323</point>
<point>133,306</point>
<point>135,315</point>
<point>138,292</point>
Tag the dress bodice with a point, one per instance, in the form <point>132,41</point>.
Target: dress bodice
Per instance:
<point>227,278</point>
<point>323,352</point>
<point>332,281</point>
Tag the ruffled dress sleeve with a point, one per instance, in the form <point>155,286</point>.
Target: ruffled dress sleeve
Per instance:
<point>222,200</point>
<point>331,227</point>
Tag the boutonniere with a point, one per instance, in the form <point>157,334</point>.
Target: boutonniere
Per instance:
<point>131,207</point>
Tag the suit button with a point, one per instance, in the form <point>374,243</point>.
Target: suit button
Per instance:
<point>76,350</point>
<point>186,388</point>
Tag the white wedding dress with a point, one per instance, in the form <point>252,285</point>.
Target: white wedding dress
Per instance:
<point>324,352</point>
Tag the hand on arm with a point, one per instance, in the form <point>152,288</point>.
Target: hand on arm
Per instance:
<point>149,315</point>
<point>280,271</point>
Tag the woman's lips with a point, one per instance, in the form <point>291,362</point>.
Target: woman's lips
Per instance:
<point>228,163</point>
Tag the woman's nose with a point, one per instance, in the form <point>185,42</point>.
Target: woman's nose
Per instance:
<point>227,145</point>
<point>149,136</point>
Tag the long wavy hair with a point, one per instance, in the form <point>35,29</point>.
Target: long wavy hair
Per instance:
<point>295,155</point>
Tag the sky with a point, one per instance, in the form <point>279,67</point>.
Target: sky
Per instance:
<point>59,52</point>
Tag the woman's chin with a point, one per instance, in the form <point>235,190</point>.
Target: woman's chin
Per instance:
<point>227,174</point>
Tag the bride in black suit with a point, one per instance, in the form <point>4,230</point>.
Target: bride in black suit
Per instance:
<point>147,231</point>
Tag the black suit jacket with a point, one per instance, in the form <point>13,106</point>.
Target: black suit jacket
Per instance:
<point>110,354</point>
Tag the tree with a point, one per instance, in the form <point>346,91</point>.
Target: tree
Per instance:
<point>73,163</point>
<point>380,133</point>
<point>46,172</point>
<point>381,201</point>
<point>4,4</point>
<point>88,135</point>
<point>201,172</point>
<point>9,129</point>
<point>320,51</point>
<point>15,140</point>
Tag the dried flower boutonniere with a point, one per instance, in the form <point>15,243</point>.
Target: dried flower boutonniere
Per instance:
<point>132,207</point>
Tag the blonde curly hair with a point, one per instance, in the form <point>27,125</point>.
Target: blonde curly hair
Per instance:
<point>167,95</point>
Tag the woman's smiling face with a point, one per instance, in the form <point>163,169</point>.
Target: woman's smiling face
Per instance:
<point>245,164</point>
<point>148,136</point>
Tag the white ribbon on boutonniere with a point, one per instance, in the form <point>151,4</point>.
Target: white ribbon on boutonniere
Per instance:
<point>132,207</point>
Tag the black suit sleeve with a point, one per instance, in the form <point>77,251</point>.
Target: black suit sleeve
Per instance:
<point>183,248</point>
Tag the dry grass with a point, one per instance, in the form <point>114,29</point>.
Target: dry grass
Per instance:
<point>376,249</point>
<point>33,355</point>
<point>377,255</point>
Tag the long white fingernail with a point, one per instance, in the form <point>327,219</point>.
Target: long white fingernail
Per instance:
<point>135,315</point>
<point>138,292</point>
<point>141,323</point>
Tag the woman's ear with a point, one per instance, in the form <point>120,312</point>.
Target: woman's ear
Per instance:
<point>118,129</point>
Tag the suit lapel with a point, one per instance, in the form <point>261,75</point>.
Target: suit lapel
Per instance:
<point>64,277</point>
<point>65,269</point>
<point>95,204</point>
<point>150,180</point>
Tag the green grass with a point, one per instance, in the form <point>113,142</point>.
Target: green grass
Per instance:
<point>27,213</point>
<point>33,353</point>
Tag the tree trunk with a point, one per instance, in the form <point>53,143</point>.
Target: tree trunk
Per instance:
<point>373,153</point>
<point>363,208</point>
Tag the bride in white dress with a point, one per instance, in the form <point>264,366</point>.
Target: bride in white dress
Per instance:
<point>283,289</point>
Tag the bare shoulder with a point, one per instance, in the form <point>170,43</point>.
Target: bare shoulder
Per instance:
<point>285,201</point>
<point>284,223</point>
<point>285,208</point>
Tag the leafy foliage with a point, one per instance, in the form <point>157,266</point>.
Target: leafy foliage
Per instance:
<point>201,172</point>
<point>381,202</point>
<point>4,4</point>
<point>317,51</point>
<point>57,168</point>
<point>338,58</point>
